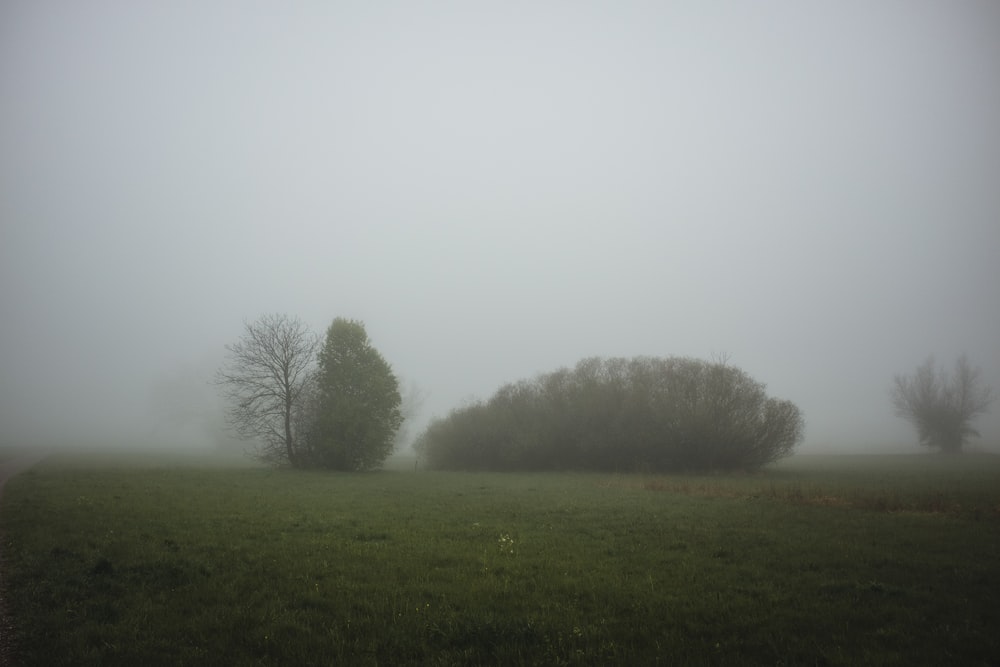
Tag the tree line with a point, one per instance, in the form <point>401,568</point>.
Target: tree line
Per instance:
<point>646,413</point>
<point>334,403</point>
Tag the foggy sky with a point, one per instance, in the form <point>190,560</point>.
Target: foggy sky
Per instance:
<point>497,190</point>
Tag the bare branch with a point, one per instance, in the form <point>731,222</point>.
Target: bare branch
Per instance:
<point>942,407</point>
<point>263,381</point>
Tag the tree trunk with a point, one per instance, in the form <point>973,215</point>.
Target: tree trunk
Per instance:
<point>289,444</point>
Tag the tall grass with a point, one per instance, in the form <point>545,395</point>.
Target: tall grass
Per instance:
<point>109,565</point>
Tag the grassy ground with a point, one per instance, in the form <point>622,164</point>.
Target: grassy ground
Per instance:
<point>818,561</point>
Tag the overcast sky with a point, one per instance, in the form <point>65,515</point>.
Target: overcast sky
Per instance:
<point>497,190</point>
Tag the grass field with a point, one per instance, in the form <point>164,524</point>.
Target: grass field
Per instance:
<point>819,561</point>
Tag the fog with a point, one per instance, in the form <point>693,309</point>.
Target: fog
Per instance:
<point>496,190</point>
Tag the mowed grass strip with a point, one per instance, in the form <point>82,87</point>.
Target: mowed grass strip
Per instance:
<point>178,566</point>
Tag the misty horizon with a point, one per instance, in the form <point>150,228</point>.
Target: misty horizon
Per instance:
<point>496,192</point>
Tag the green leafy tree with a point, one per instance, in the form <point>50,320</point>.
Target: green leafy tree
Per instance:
<point>354,408</point>
<point>942,406</point>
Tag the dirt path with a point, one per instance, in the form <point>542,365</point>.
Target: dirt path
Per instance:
<point>7,470</point>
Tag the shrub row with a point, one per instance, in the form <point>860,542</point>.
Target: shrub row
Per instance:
<point>645,413</point>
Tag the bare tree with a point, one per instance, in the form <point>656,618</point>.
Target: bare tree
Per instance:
<point>267,372</point>
<point>942,407</point>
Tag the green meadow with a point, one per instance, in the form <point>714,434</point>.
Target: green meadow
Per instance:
<point>891,560</point>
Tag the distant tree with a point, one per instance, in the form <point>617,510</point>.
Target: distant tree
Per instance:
<point>620,414</point>
<point>264,380</point>
<point>353,409</point>
<point>412,400</point>
<point>942,406</point>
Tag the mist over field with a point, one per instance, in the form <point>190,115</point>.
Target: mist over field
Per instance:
<point>496,190</point>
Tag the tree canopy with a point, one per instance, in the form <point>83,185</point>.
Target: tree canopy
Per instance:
<point>940,405</point>
<point>353,408</point>
<point>660,414</point>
